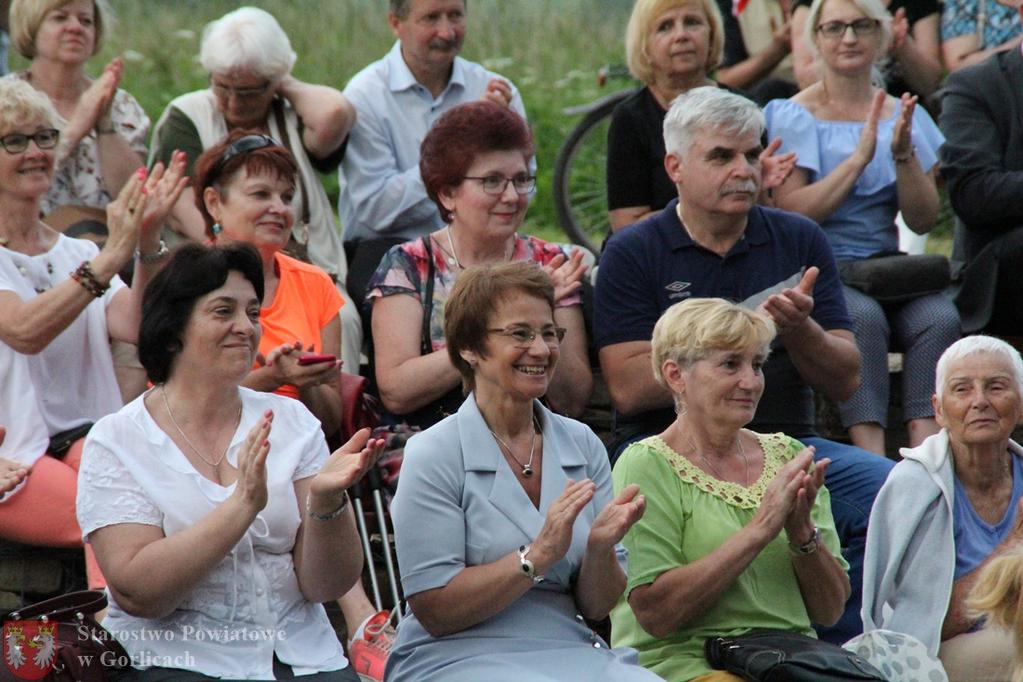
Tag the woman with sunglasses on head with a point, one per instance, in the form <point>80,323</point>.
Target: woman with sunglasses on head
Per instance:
<point>61,302</point>
<point>249,59</point>
<point>504,522</point>
<point>864,156</point>
<point>475,165</point>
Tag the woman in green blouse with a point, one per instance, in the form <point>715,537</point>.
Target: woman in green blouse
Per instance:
<point>738,532</point>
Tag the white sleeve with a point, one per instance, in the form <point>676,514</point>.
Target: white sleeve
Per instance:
<point>108,494</point>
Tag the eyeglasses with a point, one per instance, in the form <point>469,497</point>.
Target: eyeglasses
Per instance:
<point>497,184</point>
<point>243,145</point>
<point>226,91</point>
<point>861,27</point>
<point>16,143</point>
<point>523,337</point>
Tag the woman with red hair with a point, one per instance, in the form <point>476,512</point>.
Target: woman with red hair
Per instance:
<point>475,165</point>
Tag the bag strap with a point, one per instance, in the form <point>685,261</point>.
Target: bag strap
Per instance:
<point>426,345</point>
<point>84,602</point>
<point>282,127</point>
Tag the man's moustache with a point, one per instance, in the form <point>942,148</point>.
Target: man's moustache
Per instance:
<point>747,187</point>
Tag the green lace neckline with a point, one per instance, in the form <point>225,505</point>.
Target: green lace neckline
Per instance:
<point>774,446</point>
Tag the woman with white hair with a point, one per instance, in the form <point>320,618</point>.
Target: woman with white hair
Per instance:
<point>249,59</point>
<point>864,156</point>
<point>948,509</point>
<point>103,128</point>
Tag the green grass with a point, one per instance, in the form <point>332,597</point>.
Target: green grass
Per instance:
<point>551,49</point>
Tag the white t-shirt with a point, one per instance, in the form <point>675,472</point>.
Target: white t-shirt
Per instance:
<point>26,439</point>
<point>249,607</point>
<point>73,376</point>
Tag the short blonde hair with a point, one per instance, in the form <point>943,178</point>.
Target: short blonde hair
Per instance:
<point>872,9</point>
<point>690,330</point>
<point>26,16</point>
<point>637,33</point>
<point>996,595</point>
<point>21,104</point>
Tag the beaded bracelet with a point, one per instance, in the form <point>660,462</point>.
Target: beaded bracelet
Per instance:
<point>87,278</point>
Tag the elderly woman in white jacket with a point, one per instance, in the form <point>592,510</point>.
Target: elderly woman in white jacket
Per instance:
<point>952,505</point>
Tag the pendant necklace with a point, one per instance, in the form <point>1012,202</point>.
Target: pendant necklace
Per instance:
<point>214,464</point>
<point>527,468</point>
<point>454,255</point>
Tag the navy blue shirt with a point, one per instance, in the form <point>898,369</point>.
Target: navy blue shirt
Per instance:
<point>646,268</point>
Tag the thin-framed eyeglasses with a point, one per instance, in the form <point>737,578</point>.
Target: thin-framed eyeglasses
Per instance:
<point>497,184</point>
<point>226,91</point>
<point>523,337</point>
<point>834,30</point>
<point>16,143</point>
<point>243,145</point>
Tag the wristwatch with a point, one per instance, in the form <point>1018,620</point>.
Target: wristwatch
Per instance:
<point>809,547</point>
<point>528,569</point>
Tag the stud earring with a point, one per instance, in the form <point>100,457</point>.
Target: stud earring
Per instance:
<point>215,229</point>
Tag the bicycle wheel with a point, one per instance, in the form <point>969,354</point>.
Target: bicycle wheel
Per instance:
<point>580,185</point>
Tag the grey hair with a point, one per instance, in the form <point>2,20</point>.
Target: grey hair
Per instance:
<point>972,345</point>
<point>400,8</point>
<point>709,107</point>
<point>247,38</point>
<point>872,9</point>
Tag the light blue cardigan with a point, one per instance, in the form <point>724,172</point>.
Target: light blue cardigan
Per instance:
<point>910,557</point>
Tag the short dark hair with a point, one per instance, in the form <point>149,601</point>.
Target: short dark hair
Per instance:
<point>210,172</point>
<point>460,135</point>
<point>476,294</point>
<point>170,297</point>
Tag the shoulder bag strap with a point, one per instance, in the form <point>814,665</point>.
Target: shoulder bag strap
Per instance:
<point>426,343</point>
<point>83,602</point>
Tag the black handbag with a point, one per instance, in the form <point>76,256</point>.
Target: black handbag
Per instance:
<point>897,277</point>
<point>59,640</point>
<point>784,656</point>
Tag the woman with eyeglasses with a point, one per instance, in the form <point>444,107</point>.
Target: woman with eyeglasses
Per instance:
<point>475,165</point>
<point>864,156</point>
<point>61,302</point>
<point>506,530</point>
<point>103,128</point>
<point>249,59</point>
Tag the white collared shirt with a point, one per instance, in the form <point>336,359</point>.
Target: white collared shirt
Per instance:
<point>249,607</point>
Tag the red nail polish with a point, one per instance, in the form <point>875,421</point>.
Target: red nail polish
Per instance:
<point>266,443</point>
<point>141,172</point>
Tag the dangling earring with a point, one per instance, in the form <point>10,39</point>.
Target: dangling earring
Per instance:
<point>680,406</point>
<point>215,229</point>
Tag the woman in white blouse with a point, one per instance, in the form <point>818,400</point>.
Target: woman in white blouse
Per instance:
<point>216,513</point>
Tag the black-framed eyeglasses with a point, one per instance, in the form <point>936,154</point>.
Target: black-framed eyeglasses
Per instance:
<point>16,143</point>
<point>861,27</point>
<point>243,145</point>
<point>523,337</point>
<point>496,184</point>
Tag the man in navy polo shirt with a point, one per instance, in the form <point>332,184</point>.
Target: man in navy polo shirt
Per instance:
<point>716,241</point>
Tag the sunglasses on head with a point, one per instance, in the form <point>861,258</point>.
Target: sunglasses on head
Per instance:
<point>243,145</point>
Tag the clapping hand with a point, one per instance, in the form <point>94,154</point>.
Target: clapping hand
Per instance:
<point>799,524</point>
<point>566,274</point>
<point>554,539</point>
<point>250,487</point>
<point>345,467</point>
<point>163,187</point>
<point>902,134</point>
<point>775,170</point>
<point>780,498</point>
<point>867,145</point>
<point>93,107</point>
<point>615,520</point>
<point>125,216</point>
<point>792,307</point>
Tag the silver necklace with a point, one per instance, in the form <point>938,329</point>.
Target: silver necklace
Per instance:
<point>454,254</point>
<point>166,403</point>
<point>714,469</point>
<point>527,468</point>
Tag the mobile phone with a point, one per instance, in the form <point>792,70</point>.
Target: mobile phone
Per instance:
<point>314,359</point>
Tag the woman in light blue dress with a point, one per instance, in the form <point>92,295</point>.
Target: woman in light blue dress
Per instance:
<point>506,530</point>
<point>862,157</point>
